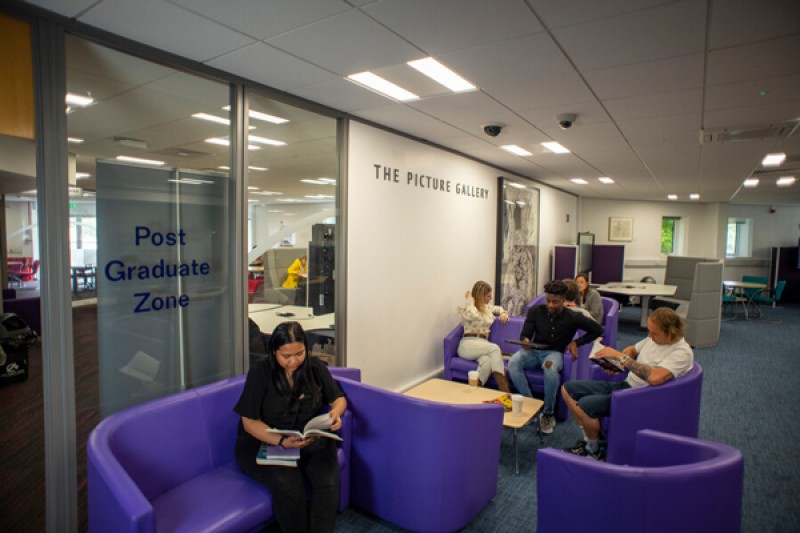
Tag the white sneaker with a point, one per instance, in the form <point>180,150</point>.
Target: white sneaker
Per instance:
<point>547,423</point>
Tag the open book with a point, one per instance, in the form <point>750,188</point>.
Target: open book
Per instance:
<point>277,455</point>
<point>315,428</point>
<point>606,363</point>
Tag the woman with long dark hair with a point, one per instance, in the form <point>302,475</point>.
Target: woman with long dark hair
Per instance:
<point>284,391</point>
<point>588,298</point>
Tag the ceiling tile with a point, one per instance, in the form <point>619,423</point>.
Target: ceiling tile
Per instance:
<point>743,21</point>
<point>636,37</point>
<point>68,9</point>
<point>766,59</point>
<point>663,75</point>
<point>261,19</point>
<point>275,68</point>
<point>165,26</point>
<point>560,14</point>
<point>410,121</point>
<point>339,93</point>
<point>445,25</point>
<point>368,44</point>
<point>656,105</point>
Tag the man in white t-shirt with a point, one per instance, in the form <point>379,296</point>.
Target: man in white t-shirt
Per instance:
<point>662,356</point>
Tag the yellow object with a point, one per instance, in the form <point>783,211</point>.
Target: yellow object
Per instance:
<point>294,271</point>
<point>504,400</point>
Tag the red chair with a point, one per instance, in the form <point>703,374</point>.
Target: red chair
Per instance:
<point>29,273</point>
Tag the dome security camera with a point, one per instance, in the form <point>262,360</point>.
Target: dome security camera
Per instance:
<point>565,120</point>
<point>493,130</point>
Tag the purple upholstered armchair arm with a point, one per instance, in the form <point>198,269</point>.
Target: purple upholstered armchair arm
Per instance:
<point>676,483</point>
<point>450,350</point>
<point>673,407</point>
<point>345,372</point>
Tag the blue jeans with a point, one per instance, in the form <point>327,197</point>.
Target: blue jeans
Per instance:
<point>533,360</point>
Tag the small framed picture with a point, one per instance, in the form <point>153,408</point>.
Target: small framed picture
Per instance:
<point>620,229</point>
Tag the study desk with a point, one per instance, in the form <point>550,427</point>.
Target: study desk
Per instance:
<point>744,291</point>
<point>267,317</point>
<point>441,390</point>
<point>643,290</point>
<point>86,274</point>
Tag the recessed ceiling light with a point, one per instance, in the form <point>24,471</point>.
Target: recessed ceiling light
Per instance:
<point>315,182</point>
<point>385,87</point>
<point>555,148</point>
<point>140,160</point>
<point>516,150</point>
<point>267,193</point>
<point>74,140</point>
<point>605,180</point>
<point>82,175</point>
<point>258,169</point>
<point>258,115</point>
<point>319,196</point>
<point>441,74</point>
<point>329,181</point>
<point>579,181</point>
<point>251,188</point>
<point>212,118</point>
<point>516,185</point>
<point>751,182</point>
<point>672,196</point>
<point>785,181</point>
<point>78,100</point>
<point>773,160</point>
<point>264,140</point>
<point>694,196</point>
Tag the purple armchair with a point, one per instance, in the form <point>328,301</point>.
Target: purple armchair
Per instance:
<point>150,465</point>
<point>674,483</point>
<point>673,407</point>
<point>456,368</point>
<point>422,465</point>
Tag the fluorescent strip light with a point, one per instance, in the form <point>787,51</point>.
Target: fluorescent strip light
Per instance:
<point>672,196</point>
<point>773,160</point>
<point>267,193</point>
<point>694,196</point>
<point>140,160</point>
<point>314,182</point>
<point>188,181</point>
<point>516,185</point>
<point>520,203</point>
<point>579,181</point>
<point>555,148</point>
<point>74,140</point>
<point>605,180</point>
<point>785,181</point>
<point>258,115</point>
<point>751,182</point>
<point>329,181</point>
<point>441,74</point>
<point>78,100</point>
<point>252,201</point>
<point>258,169</point>
<point>385,87</point>
<point>226,142</point>
<point>264,140</point>
<point>319,196</point>
<point>251,188</point>
<point>516,150</point>
<point>82,175</point>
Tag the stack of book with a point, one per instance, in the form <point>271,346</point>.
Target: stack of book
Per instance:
<point>277,456</point>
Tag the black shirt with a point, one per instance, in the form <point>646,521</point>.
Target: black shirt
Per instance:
<point>557,332</point>
<point>260,399</point>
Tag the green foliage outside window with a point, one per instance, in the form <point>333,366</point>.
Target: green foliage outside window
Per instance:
<point>667,235</point>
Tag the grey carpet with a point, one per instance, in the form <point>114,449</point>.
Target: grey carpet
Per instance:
<point>747,403</point>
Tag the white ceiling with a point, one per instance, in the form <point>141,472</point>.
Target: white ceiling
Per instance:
<point>644,77</point>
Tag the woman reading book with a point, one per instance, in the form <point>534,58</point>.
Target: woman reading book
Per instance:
<point>284,391</point>
<point>477,317</point>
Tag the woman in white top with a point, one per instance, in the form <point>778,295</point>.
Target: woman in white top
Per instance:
<point>477,317</point>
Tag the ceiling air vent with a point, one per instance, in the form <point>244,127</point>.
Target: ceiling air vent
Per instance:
<point>770,131</point>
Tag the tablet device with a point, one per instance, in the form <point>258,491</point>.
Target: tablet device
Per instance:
<point>529,344</point>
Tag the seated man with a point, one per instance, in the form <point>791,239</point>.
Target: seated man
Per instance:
<point>552,328</point>
<point>662,356</point>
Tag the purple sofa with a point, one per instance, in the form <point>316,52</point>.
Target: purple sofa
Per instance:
<point>673,483</point>
<point>421,465</point>
<point>673,407</point>
<point>169,465</point>
<point>28,309</point>
<point>456,368</point>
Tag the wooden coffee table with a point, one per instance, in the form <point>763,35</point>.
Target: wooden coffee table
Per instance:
<point>440,390</point>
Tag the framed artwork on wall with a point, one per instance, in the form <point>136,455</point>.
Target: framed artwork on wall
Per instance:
<point>517,244</point>
<point>620,229</point>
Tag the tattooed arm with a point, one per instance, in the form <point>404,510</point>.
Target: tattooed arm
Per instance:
<point>654,375</point>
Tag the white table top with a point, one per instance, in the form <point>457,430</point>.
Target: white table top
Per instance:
<point>743,285</point>
<point>638,289</point>
<point>267,318</point>
<point>440,390</point>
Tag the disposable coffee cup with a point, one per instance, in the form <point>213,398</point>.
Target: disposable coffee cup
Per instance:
<point>516,404</point>
<point>473,379</point>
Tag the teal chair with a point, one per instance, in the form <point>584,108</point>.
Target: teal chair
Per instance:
<point>751,293</point>
<point>728,301</point>
<point>770,297</point>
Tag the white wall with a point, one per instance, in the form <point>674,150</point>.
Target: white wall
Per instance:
<point>643,255</point>
<point>412,252</point>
